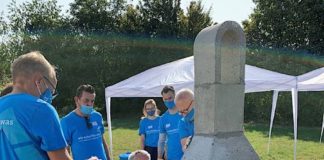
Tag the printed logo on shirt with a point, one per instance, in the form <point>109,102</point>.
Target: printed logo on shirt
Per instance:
<point>152,132</point>
<point>173,131</point>
<point>94,123</point>
<point>168,125</point>
<point>150,127</point>
<point>6,122</point>
<point>89,137</point>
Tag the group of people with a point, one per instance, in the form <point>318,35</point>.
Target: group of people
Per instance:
<point>30,127</point>
<point>168,136</point>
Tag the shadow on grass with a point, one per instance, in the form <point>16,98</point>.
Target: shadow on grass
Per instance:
<point>304,133</point>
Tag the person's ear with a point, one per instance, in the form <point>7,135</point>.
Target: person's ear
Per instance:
<point>76,98</point>
<point>37,78</point>
<point>37,82</point>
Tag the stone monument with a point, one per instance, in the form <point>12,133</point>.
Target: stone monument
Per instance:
<point>219,53</point>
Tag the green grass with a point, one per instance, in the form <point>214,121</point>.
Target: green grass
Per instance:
<point>308,146</point>
<point>125,138</point>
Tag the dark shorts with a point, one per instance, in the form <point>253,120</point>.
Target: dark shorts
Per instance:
<point>152,151</point>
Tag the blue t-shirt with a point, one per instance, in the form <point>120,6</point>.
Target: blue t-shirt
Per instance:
<point>186,128</point>
<point>85,142</point>
<point>150,129</point>
<point>29,128</point>
<point>169,124</point>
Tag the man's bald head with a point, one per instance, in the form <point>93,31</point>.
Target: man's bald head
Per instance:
<point>184,100</point>
<point>184,94</point>
<point>139,155</point>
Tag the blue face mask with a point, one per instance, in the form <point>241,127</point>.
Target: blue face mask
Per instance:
<point>47,96</point>
<point>169,104</point>
<point>86,110</point>
<point>151,113</point>
<point>190,116</point>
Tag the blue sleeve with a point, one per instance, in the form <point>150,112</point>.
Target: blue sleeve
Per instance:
<point>102,129</point>
<point>183,131</point>
<point>141,129</point>
<point>100,123</point>
<point>162,129</point>
<point>46,126</point>
<point>66,131</point>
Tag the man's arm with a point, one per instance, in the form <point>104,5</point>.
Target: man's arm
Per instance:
<point>61,154</point>
<point>161,144</point>
<point>142,141</point>
<point>106,147</point>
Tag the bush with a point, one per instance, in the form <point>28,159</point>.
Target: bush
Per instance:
<point>103,60</point>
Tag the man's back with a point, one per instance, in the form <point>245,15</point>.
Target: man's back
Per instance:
<point>29,127</point>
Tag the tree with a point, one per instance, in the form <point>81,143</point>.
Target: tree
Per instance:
<point>26,23</point>
<point>198,19</point>
<point>34,17</point>
<point>277,32</point>
<point>160,17</point>
<point>97,15</point>
<point>131,21</point>
<point>4,54</point>
<point>288,24</point>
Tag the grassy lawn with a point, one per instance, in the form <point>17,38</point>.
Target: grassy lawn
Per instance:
<point>125,138</point>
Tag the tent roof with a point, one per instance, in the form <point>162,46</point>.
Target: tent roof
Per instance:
<point>180,74</point>
<point>311,81</point>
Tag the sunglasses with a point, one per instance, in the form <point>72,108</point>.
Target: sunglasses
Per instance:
<point>89,124</point>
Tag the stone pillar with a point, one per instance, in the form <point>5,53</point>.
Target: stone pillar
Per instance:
<point>219,53</point>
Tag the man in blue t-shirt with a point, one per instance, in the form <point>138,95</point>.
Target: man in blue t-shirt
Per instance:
<point>29,124</point>
<point>169,124</point>
<point>185,104</point>
<point>83,127</point>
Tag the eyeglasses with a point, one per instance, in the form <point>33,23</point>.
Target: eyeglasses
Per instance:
<point>89,124</point>
<point>55,93</point>
<point>186,110</point>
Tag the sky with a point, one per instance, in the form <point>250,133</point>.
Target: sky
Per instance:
<point>222,10</point>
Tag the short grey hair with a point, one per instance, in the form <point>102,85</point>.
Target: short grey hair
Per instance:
<point>133,154</point>
<point>184,91</point>
<point>30,63</point>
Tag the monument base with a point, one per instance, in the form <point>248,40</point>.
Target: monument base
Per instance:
<point>227,146</point>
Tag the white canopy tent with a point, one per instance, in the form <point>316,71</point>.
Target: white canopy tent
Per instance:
<point>180,74</point>
<point>312,81</point>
